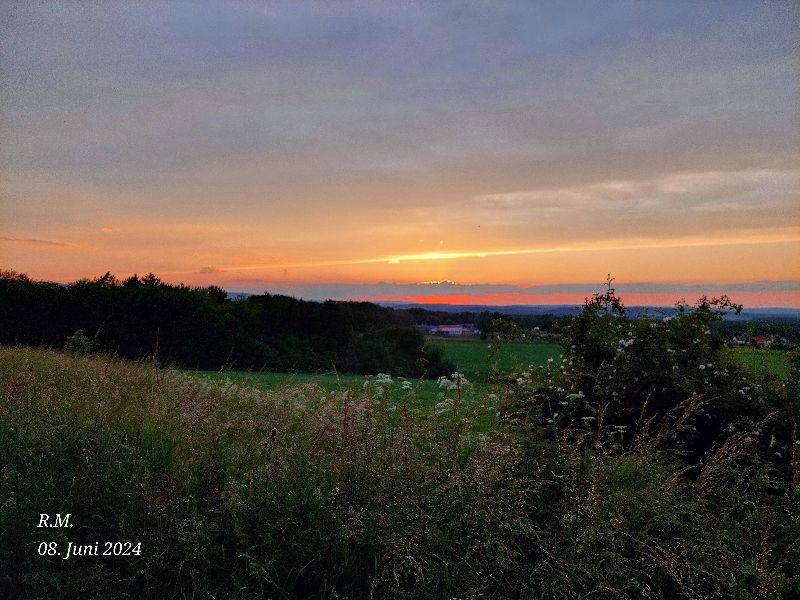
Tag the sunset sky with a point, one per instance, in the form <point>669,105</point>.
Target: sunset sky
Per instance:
<point>488,152</point>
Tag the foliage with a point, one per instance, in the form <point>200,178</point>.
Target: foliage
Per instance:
<point>144,317</point>
<point>668,375</point>
<point>646,463</point>
<point>241,493</point>
<point>79,343</point>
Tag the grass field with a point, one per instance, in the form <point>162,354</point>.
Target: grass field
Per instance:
<point>238,492</point>
<point>426,390</point>
<point>469,355</point>
<point>472,359</point>
<point>774,361</point>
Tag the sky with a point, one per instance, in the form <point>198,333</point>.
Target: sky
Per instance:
<point>473,153</point>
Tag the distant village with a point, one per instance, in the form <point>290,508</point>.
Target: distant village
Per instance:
<point>762,341</point>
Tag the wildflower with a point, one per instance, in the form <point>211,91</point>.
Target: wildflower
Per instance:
<point>446,384</point>
<point>443,406</point>
<point>383,379</point>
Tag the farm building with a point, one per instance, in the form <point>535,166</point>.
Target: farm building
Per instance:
<point>453,330</point>
<point>762,341</point>
<point>458,330</point>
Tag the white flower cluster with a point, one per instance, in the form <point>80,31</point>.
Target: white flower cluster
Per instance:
<point>491,405</point>
<point>456,380</point>
<point>443,406</point>
<point>379,380</point>
<point>524,378</point>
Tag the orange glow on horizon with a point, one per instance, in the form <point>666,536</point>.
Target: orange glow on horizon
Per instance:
<point>750,299</point>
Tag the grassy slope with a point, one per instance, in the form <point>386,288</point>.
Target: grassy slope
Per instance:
<point>241,493</point>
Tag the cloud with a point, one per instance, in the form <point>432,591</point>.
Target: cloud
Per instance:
<point>323,136</point>
<point>118,95</point>
<point>209,270</point>
<point>708,191</point>
<point>38,242</point>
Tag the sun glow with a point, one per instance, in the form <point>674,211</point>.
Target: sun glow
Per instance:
<point>613,246</point>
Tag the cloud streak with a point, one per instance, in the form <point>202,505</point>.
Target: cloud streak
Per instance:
<point>791,236</point>
<point>13,240</point>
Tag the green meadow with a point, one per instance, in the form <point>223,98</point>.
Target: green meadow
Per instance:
<point>757,359</point>
<point>286,490</point>
<point>475,360</point>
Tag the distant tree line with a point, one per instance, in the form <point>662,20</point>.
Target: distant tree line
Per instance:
<point>200,327</point>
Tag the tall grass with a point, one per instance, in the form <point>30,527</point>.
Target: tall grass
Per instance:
<point>237,492</point>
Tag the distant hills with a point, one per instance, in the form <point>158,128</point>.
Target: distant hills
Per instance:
<point>561,310</point>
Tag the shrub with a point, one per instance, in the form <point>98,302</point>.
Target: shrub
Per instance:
<point>78,343</point>
<point>667,379</point>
